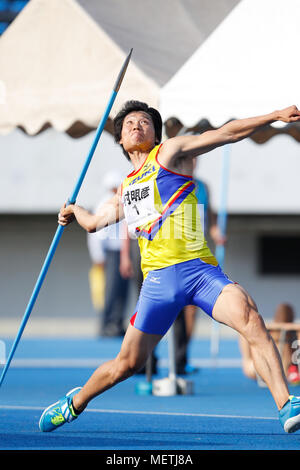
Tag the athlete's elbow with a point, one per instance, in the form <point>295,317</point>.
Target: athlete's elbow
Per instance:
<point>230,136</point>
<point>90,229</point>
<point>91,225</point>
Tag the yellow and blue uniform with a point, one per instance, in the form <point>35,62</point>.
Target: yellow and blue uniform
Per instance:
<point>161,210</point>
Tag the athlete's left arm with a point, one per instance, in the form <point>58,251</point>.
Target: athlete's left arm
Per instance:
<point>191,146</point>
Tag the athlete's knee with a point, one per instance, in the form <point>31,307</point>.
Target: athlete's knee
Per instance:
<point>241,313</point>
<point>126,366</point>
<point>246,307</point>
<point>252,326</point>
<point>249,319</point>
<point>253,322</point>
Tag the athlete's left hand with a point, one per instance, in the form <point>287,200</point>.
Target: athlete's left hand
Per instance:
<point>290,114</point>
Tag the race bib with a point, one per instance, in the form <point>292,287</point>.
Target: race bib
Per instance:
<point>139,207</point>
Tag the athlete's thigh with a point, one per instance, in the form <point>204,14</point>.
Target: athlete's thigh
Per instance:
<point>233,306</point>
<point>207,282</point>
<point>159,302</point>
<point>137,346</point>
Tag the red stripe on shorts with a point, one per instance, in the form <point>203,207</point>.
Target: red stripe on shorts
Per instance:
<point>132,319</point>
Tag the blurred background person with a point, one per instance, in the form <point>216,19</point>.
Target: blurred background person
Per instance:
<point>109,289</point>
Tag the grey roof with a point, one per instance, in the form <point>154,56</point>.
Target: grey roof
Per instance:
<point>163,33</point>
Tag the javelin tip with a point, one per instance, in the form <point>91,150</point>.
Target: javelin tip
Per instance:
<point>122,72</point>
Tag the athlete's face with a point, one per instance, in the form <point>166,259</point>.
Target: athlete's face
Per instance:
<point>137,132</point>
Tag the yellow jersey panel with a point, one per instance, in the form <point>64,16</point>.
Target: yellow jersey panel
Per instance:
<point>161,210</point>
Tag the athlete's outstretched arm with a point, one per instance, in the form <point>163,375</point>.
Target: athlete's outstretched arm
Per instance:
<point>234,131</point>
<point>109,213</point>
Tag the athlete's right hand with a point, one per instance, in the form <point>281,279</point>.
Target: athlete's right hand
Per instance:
<point>290,114</point>
<point>66,215</point>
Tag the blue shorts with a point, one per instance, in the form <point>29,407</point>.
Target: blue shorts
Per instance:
<point>166,291</point>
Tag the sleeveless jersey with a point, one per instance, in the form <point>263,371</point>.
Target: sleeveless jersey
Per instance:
<point>161,210</point>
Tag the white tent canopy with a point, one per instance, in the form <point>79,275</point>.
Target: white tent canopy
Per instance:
<point>58,67</point>
<point>163,34</point>
<point>248,66</point>
<point>60,58</point>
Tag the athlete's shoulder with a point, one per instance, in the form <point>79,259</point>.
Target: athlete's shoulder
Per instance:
<point>171,158</point>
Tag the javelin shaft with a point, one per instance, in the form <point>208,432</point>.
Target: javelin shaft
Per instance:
<point>60,229</point>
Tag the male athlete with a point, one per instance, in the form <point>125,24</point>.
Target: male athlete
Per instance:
<point>159,203</point>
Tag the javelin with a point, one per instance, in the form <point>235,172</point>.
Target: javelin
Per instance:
<point>60,228</point>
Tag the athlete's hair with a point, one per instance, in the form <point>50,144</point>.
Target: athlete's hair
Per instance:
<point>132,106</point>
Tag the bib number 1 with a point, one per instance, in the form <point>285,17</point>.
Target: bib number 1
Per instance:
<point>139,207</point>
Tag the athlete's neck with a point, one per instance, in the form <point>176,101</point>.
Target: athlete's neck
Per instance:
<point>138,158</point>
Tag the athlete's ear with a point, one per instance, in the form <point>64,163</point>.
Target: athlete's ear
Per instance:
<point>120,141</point>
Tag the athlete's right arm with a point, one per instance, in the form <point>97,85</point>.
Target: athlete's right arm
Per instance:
<point>109,213</point>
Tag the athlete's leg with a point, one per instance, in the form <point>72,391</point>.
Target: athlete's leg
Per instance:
<point>158,305</point>
<point>235,308</point>
<point>135,349</point>
<point>247,361</point>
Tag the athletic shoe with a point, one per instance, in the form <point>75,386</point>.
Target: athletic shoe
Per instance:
<point>59,413</point>
<point>289,415</point>
<point>293,375</point>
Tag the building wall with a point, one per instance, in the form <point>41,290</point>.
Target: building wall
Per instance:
<point>25,241</point>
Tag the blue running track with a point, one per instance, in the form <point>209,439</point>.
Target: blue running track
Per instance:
<point>226,412</point>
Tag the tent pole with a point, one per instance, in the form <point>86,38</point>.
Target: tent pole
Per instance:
<point>220,249</point>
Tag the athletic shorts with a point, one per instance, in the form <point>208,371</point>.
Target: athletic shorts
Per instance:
<point>166,291</point>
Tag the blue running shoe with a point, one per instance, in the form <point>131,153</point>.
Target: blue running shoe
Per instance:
<point>289,415</point>
<point>59,413</point>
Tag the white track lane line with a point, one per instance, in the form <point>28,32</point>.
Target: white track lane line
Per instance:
<point>150,413</point>
<point>95,362</point>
